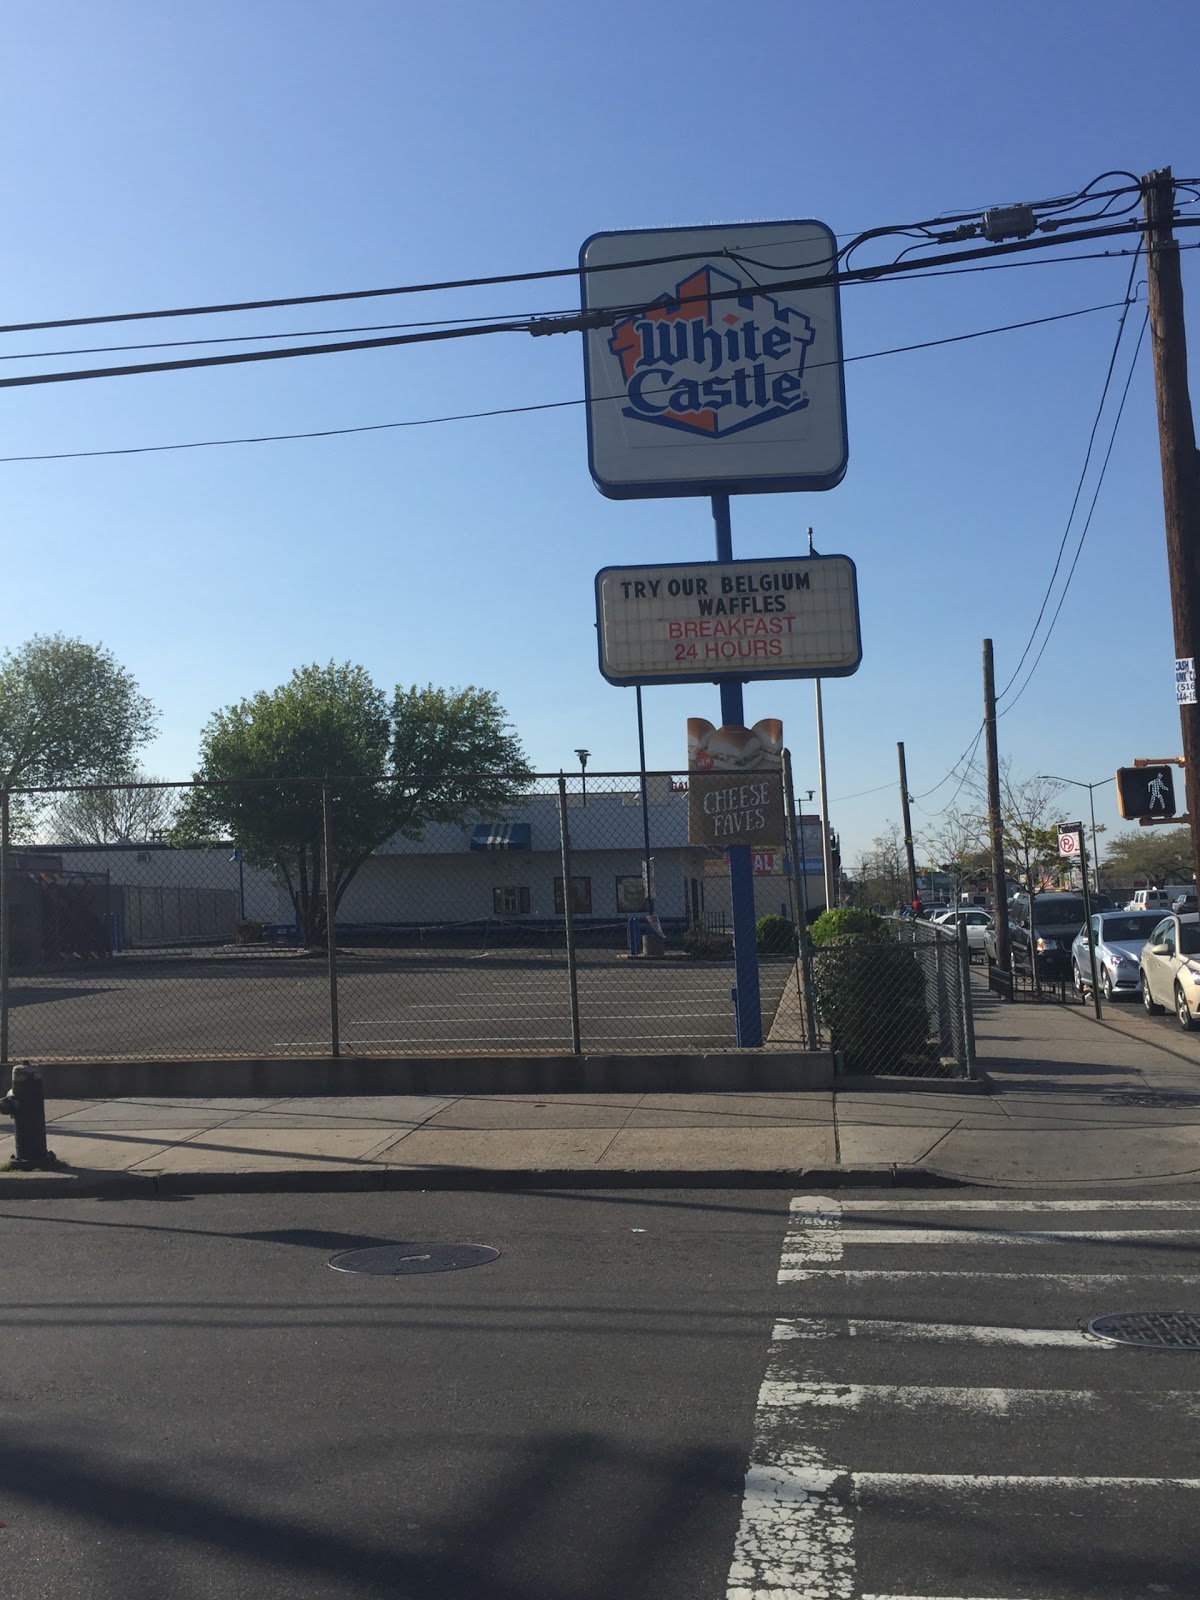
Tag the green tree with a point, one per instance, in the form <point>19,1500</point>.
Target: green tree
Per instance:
<point>426,755</point>
<point>116,815</point>
<point>1163,855</point>
<point>69,713</point>
<point>881,875</point>
<point>1029,814</point>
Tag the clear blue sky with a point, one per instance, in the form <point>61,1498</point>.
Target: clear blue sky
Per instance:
<point>164,155</point>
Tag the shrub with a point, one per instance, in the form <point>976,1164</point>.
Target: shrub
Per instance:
<point>871,997</point>
<point>775,935</point>
<point>849,922</point>
<point>700,942</point>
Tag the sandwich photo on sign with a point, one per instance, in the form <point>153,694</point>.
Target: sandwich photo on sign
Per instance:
<point>735,784</point>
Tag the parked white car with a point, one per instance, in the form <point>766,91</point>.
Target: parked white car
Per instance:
<point>1170,964</point>
<point>976,922</point>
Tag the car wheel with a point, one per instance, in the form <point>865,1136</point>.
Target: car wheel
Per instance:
<point>1106,988</point>
<point>1182,1010</point>
<point>1077,979</point>
<point>1152,1006</point>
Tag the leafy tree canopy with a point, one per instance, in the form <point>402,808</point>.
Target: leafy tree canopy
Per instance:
<point>1164,855</point>
<point>69,713</point>
<point>393,765</point>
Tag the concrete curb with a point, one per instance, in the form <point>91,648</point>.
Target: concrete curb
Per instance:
<point>147,1186</point>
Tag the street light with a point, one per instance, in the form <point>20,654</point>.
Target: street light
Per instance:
<point>1090,787</point>
<point>583,760</point>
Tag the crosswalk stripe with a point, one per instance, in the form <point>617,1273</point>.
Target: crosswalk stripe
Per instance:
<point>936,1333</point>
<point>1069,1280</point>
<point>1016,1205</point>
<point>885,1482</point>
<point>925,1236</point>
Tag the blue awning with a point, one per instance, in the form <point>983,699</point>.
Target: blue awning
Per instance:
<point>501,836</point>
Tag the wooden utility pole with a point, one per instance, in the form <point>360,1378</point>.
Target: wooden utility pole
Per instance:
<point>995,820</point>
<point>908,839</point>
<point>1177,448</point>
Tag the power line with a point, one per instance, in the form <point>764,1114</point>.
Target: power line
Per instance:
<point>546,405</point>
<point>1112,363</point>
<point>452,322</point>
<point>537,326</point>
<point>1088,522</point>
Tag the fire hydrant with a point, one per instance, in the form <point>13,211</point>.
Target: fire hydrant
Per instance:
<point>25,1103</point>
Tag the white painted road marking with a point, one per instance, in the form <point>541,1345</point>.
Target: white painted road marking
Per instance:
<point>1018,1205</point>
<point>1070,1280</point>
<point>899,1234</point>
<point>936,1332</point>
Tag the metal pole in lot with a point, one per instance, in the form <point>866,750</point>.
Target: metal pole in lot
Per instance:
<point>645,805</point>
<point>569,916</point>
<point>968,1009</point>
<point>1087,919</point>
<point>804,968</point>
<point>4,927</point>
<point>330,920</point>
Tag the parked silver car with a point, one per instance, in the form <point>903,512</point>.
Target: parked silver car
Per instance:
<point>976,921</point>
<point>1119,937</point>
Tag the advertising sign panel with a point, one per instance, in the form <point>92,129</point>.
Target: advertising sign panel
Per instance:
<point>713,374</point>
<point>691,622</point>
<point>735,784</point>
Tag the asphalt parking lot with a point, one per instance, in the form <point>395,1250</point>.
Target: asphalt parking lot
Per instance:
<point>193,1003</point>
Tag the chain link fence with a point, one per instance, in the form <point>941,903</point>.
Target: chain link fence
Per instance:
<point>898,1005</point>
<point>569,913</point>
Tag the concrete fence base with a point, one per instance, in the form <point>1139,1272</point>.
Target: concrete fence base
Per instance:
<point>707,1072</point>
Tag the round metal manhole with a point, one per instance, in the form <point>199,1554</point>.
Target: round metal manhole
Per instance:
<point>400,1260</point>
<point>1150,1330</point>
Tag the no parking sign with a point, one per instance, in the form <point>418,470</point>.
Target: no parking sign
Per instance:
<point>1070,842</point>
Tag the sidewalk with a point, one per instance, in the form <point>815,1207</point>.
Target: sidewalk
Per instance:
<point>1069,1101</point>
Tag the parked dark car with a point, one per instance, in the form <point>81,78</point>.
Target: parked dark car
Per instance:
<point>1056,919</point>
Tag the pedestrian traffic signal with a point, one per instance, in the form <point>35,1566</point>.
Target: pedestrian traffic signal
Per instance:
<point>1145,792</point>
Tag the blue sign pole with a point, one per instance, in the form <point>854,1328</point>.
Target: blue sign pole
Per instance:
<point>741,870</point>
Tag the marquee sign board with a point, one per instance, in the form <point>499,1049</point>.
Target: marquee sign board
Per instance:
<point>712,375</point>
<point>696,621</point>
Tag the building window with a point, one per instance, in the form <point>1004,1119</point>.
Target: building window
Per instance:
<point>631,894</point>
<point>510,902</point>
<point>581,896</point>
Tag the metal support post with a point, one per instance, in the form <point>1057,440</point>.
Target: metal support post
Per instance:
<point>1087,919</point>
<point>645,805</point>
<point>5,932</point>
<point>741,869</point>
<point>804,962</point>
<point>569,917</point>
<point>968,1007</point>
<point>330,920</point>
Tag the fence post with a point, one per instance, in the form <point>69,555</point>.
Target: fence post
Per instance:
<point>968,1005</point>
<point>330,928</point>
<point>4,927</point>
<point>804,968</point>
<point>569,916</point>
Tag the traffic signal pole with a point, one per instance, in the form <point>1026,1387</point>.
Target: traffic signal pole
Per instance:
<point>1177,449</point>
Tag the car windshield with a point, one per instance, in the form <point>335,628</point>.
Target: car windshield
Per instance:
<point>1189,938</point>
<point>1058,913</point>
<point>1137,925</point>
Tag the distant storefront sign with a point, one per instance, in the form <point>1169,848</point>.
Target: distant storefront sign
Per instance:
<point>735,784</point>
<point>714,375</point>
<point>691,622</point>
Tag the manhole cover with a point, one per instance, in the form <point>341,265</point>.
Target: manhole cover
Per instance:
<point>397,1260</point>
<point>1150,1330</point>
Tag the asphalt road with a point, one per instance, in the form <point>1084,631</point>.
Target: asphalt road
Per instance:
<point>198,1005</point>
<point>195,1405</point>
